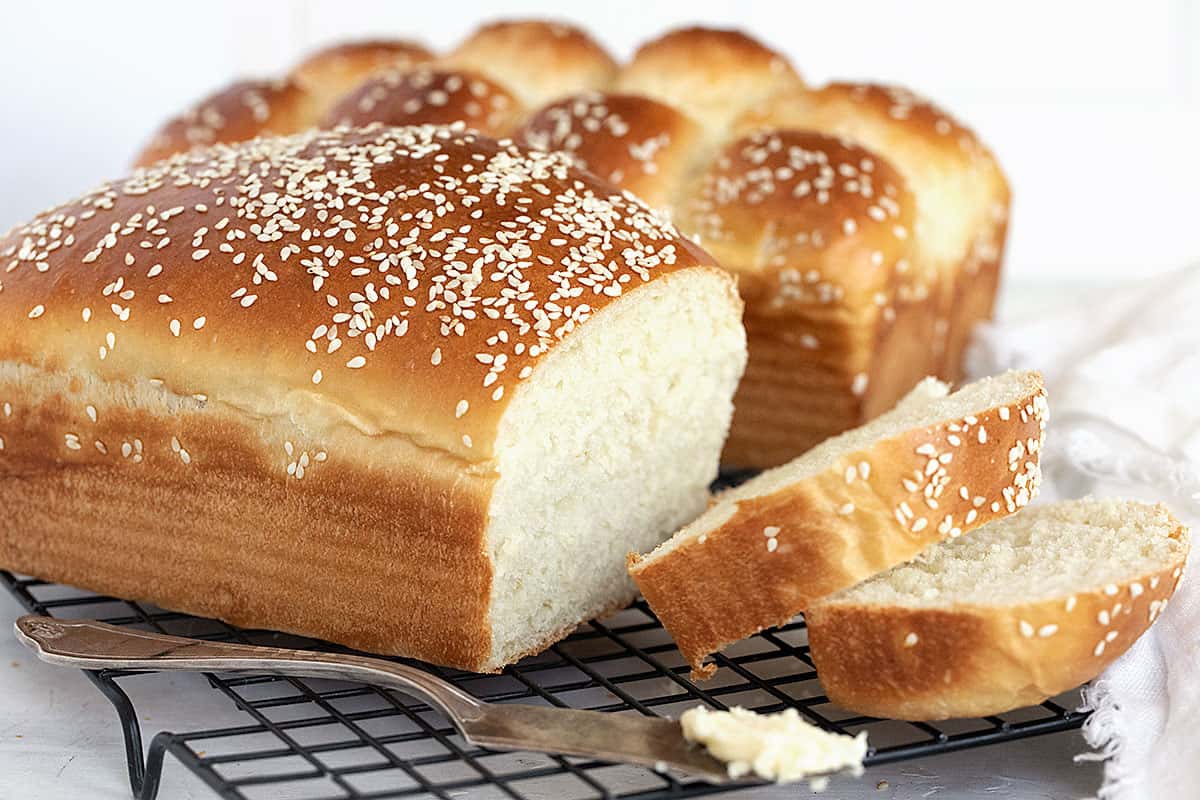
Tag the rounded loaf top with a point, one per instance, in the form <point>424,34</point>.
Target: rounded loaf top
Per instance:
<point>347,267</point>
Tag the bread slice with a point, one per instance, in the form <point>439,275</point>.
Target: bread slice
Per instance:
<point>936,466</point>
<point>1022,609</point>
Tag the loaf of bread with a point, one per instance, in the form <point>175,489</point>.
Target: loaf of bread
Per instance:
<point>1022,609</point>
<point>937,466</point>
<point>865,226</point>
<point>407,389</point>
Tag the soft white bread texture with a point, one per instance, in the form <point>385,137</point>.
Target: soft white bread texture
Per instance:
<point>937,466</point>
<point>1022,609</point>
<point>382,386</point>
<point>865,225</point>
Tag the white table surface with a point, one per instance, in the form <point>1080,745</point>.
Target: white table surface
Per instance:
<point>59,739</point>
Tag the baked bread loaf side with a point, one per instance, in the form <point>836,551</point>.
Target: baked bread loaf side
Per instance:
<point>379,386</point>
<point>865,225</point>
<point>938,466</point>
<point>1022,609</point>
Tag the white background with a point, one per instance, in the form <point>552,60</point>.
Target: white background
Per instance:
<point>1093,108</point>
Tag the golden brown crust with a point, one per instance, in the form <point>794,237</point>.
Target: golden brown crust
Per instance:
<point>267,522</point>
<point>637,143</point>
<point>238,112</point>
<point>331,72</point>
<point>428,95</point>
<point>538,61</point>
<point>963,193</point>
<point>972,661</point>
<point>874,509</point>
<point>711,74</point>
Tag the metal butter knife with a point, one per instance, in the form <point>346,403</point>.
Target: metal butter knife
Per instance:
<point>636,739</point>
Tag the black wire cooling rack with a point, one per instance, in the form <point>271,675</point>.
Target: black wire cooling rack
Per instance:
<point>325,740</point>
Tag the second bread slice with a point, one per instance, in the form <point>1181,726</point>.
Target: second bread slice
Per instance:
<point>1017,612</point>
<point>936,466</point>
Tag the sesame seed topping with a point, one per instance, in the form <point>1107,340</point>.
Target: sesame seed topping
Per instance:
<point>461,408</point>
<point>1026,629</point>
<point>911,639</point>
<point>317,377</point>
<point>1111,589</point>
<point>358,362</point>
<point>37,311</point>
<point>771,531</point>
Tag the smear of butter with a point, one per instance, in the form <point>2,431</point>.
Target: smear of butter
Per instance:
<point>776,747</point>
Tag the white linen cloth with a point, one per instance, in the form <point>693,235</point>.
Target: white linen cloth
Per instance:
<point>1123,376</point>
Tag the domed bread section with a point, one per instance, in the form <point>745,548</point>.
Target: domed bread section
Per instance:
<point>398,373</point>
<point>817,231</point>
<point>1021,610</point>
<point>963,195</point>
<point>331,72</point>
<point>428,95</point>
<point>711,75</point>
<point>935,467</point>
<point>638,143</point>
<point>538,61</point>
<point>240,111</point>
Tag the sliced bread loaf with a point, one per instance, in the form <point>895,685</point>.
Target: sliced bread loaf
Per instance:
<point>934,467</point>
<point>1020,610</point>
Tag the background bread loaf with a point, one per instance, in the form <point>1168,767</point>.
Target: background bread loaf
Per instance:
<point>865,225</point>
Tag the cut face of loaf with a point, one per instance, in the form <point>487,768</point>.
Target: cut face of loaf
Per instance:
<point>864,224</point>
<point>937,466</point>
<point>1017,612</point>
<point>380,387</point>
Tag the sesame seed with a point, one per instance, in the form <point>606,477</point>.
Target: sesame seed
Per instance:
<point>1135,589</point>
<point>1111,590</point>
<point>771,531</point>
<point>317,377</point>
<point>772,545</point>
<point>466,440</point>
<point>198,323</point>
<point>1103,617</point>
<point>846,509</point>
<point>37,311</point>
<point>920,525</point>
<point>91,412</point>
<point>1004,413</point>
<point>436,358</point>
<point>461,408</point>
<point>358,362</point>
<point>1070,606</point>
<point>911,639</point>
<point>1046,631</point>
<point>1026,629</point>
<point>1099,648</point>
